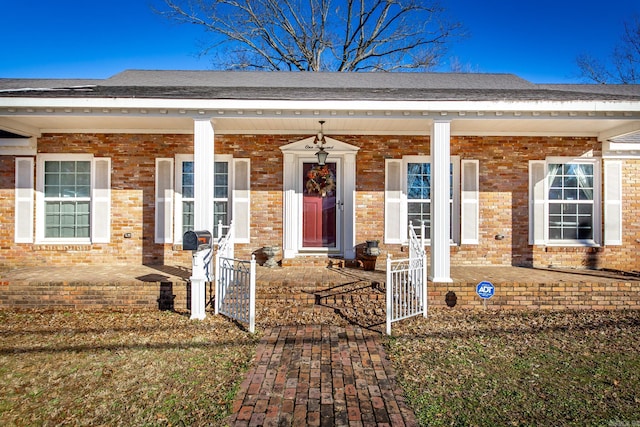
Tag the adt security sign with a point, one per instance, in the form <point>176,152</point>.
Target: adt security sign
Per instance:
<point>485,290</point>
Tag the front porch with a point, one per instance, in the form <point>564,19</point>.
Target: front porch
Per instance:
<point>317,294</point>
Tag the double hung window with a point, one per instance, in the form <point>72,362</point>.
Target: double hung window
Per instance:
<point>175,197</point>
<point>566,201</point>
<point>408,198</point>
<point>220,196</point>
<point>73,197</point>
<point>419,196</point>
<point>67,198</point>
<point>571,201</point>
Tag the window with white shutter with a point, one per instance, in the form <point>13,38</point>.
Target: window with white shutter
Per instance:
<point>565,195</point>
<point>408,198</point>
<point>73,195</point>
<point>231,196</point>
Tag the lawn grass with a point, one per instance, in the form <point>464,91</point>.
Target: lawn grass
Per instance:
<point>119,368</point>
<point>478,368</point>
<point>488,368</point>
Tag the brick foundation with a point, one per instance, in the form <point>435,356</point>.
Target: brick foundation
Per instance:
<point>535,296</point>
<point>92,296</point>
<point>294,296</point>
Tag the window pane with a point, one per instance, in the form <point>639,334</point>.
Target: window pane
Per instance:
<point>68,167</point>
<point>220,213</point>
<point>419,212</point>
<point>187,216</point>
<point>187,180</point>
<point>419,181</point>
<point>51,166</point>
<point>221,180</point>
<point>83,191</point>
<point>67,219</point>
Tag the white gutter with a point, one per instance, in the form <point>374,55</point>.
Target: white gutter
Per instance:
<point>361,105</point>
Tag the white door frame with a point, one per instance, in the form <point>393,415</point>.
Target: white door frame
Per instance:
<point>295,154</point>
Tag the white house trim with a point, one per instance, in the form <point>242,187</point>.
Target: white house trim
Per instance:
<point>440,215</point>
<point>203,149</point>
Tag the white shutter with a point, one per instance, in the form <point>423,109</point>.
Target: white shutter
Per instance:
<point>613,202</point>
<point>394,222</point>
<point>24,200</point>
<point>537,173</point>
<point>241,200</point>
<point>101,201</point>
<point>164,201</point>
<point>470,206</point>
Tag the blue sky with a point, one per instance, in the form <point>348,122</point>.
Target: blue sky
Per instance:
<point>537,40</point>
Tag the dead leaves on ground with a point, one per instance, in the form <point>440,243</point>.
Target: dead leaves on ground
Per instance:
<point>526,367</point>
<point>126,368</point>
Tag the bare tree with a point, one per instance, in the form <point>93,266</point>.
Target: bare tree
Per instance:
<point>624,64</point>
<point>320,35</point>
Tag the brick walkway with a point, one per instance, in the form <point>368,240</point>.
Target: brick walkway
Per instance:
<point>321,375</point>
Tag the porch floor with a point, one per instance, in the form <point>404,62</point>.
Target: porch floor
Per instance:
<point>308,275</point>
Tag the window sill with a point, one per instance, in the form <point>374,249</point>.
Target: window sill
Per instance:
<point>59,246</point>
<point>576,247</point>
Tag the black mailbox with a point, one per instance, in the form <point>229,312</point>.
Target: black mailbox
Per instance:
<point>196,240</point>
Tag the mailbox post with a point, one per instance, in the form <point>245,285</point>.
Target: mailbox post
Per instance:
<point>199,242</point>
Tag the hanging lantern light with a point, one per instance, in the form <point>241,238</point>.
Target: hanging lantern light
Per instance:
<point>319,140</point>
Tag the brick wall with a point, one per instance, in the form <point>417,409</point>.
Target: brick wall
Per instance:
<point>536,296</point>
<point>168,295</point>
<point>90,295</point>
<point>503,198</point>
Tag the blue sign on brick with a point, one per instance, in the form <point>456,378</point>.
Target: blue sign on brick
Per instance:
<point>485,290</point>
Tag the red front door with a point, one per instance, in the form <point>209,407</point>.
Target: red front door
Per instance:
<point>319,206</point>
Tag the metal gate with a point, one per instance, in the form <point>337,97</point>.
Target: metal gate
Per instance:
<point>236,290</point>
<point>407,281</point>
<point>235,282</point>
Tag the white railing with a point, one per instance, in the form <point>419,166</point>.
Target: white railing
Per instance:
<point>236,290</point>
<point>224,243</point>
<point>407,282</point>
<point>235,281</point>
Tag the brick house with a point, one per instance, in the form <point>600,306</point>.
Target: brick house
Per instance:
<point>503,172</point>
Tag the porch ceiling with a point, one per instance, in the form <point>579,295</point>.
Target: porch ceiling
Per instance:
<point>306,123</point>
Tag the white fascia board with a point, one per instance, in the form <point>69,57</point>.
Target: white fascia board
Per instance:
<point>363,105</point>
<point>18,146</point>
<point>18,128</point>
<point>619,131</point>
<point>620,150</point>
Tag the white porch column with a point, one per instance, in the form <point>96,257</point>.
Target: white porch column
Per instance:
<point>348,205</point>
<point>290,244</point>
<point>203,153</point>
<point>201,266</point>
<point>440,190</point>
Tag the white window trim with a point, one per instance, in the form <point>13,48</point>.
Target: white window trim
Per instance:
<point>40,199</point>
<point>455,211</point>
<point>177,216</point>
<point>597,203</point>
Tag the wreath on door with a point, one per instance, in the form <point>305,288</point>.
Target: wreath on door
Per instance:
<point>320,180</point>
